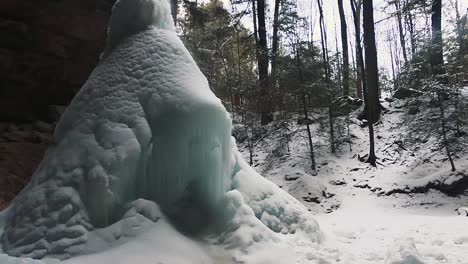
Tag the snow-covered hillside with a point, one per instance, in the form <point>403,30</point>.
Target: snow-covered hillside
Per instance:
<point>393,213</point>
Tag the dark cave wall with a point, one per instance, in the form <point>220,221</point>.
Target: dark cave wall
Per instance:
<point>47,50</point>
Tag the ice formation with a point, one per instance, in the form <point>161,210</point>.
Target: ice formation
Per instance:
<point>144,125</point>
<point>144,133</point>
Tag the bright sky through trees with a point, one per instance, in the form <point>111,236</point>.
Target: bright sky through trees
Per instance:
<point>384,18</point>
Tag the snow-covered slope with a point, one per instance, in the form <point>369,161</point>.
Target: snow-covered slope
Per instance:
<point>386,214</point>
<point>143,168</point>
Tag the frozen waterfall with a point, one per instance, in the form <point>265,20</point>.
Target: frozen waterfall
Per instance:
<point>144,125</point>
<point>146,142</point>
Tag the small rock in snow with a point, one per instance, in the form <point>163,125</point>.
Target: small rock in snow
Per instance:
<point>462,211</point>
<point>403,252</point>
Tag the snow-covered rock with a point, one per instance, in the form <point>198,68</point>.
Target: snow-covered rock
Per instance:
<point>403,252</point>
<point>463,211</point>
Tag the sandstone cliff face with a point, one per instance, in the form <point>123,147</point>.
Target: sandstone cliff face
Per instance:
<point>48,48</point>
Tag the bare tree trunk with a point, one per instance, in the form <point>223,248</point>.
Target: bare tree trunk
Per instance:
<point>356,8</point>
<point>372,77</point>
<point>309,134</point>
<point>410,25</point>
<point>393,62</point>
<point>344,46</point>
<point>326,65</point>
<point>255,27</point>
<point>397,58</point>
<point>304,103</point>
<point>444,132</point>
<point>174,10</point>
<point>437,57</point>
<point>339,65</point>
<point>401,30</point>
<point>266,112</point>
<point>274,43</point>
<point>459,76</point>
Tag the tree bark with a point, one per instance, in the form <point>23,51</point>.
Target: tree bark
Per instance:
<point>344,46</point>
<point>174,10</point>
<point>304,105</point>
<point>393,62</point>
<point>437,57</point>
<point>274,43</point>
<point>444,132</point>
<point>410,25</point>
<point>266,113</point>
<point>326,65</point>
<point>372,78</point>
<point>338,62</point>
<point>356,9</point>
<point>401,30</point>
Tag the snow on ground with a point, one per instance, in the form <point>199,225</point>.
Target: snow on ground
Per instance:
<point>356,205</point>
<point>371,231</point>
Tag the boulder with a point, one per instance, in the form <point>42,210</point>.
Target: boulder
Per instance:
<point>344,105</point>
<point>404,93</point>
<point>412,110</point>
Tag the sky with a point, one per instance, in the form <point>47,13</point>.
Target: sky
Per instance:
<point>308,8</point>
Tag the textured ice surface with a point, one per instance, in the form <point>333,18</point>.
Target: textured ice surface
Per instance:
<point>132,16</point>
<point>144,125</point>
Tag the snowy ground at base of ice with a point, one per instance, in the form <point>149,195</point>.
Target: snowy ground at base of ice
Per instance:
<point>359,207</point>
<point>363,224</point>
<point>368,231</point>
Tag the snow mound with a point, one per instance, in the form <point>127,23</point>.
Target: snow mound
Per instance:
<point>274,207</point>
<point>5,259</point>
<point>463,211</point>
<point>404,252</point>
<point>143,150</point>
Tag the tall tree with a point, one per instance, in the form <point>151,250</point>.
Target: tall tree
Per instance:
<point>389,40</point>
<point>372,77</point>
<point>409,24</point>
<point>360,79</point>
<point>296,47</point>
<point>274,42</point>
<point>438,69</point>
<point>174,10</point>
<point>266,110</point>
<point>437,57</point>
<point>339,65</point>
<point>401,30</point>
<point>326,68</point>
<point>344,46</point>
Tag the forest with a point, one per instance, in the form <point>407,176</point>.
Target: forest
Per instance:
<point>273,61</point>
